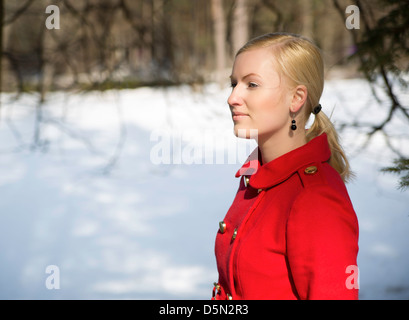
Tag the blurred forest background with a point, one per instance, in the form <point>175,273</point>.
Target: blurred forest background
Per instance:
<point>114,44</point>
<point>103,44</point>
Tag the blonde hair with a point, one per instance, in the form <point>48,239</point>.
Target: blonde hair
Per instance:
<point>300,60</point>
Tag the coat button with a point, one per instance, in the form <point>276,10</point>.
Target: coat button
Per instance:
<point>311,170</point>
<point>246,181</point>
<point>234,234</point>
<point>222,226</point>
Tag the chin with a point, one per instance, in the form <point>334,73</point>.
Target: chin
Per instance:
<point>245,133</point>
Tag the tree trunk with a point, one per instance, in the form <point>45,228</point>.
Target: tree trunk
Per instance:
<point>307,11</point>
<point>240,25</point>
<point>1,48</point>
<point>219,34</point>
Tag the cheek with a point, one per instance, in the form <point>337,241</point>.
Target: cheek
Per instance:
<point>271,121</point>
<point>269,109</point>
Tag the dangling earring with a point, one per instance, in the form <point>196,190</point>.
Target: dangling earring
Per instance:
<point>293,125</point>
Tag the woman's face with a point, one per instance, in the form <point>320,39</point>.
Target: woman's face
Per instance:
<point>260,97</point>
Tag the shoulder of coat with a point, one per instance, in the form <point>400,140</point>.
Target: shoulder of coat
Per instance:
<point>312,174</point>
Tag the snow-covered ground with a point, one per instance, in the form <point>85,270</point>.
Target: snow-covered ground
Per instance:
<point>120,193</point>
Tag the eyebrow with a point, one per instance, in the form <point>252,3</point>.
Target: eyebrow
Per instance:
<point>248,75</point>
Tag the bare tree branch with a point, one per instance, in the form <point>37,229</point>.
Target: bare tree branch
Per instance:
<point>389,90</point>
<point>18,12</point>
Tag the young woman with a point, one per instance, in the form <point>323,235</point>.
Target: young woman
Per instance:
<point>291,231</point>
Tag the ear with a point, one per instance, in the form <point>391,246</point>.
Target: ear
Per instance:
<point>299,98</point>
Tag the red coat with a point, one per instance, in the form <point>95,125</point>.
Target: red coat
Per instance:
<point>291,232</point>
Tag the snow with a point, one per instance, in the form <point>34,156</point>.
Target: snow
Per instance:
<point>98,196</point>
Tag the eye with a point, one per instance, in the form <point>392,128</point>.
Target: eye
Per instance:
<point>233,84</point>
<point>252,85</point>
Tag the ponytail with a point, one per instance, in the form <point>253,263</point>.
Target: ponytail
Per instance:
<point>338,160</point>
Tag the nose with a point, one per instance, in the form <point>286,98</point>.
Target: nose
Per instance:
<point>235,98</point>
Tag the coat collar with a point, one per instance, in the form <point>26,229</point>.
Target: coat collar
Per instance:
<point>278,170</point>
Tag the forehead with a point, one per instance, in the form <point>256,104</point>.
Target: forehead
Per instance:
<point>259,61</point>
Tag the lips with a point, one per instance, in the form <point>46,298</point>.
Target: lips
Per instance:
<point>238,115</point>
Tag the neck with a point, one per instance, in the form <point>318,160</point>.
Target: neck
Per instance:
<point>275,146</point>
